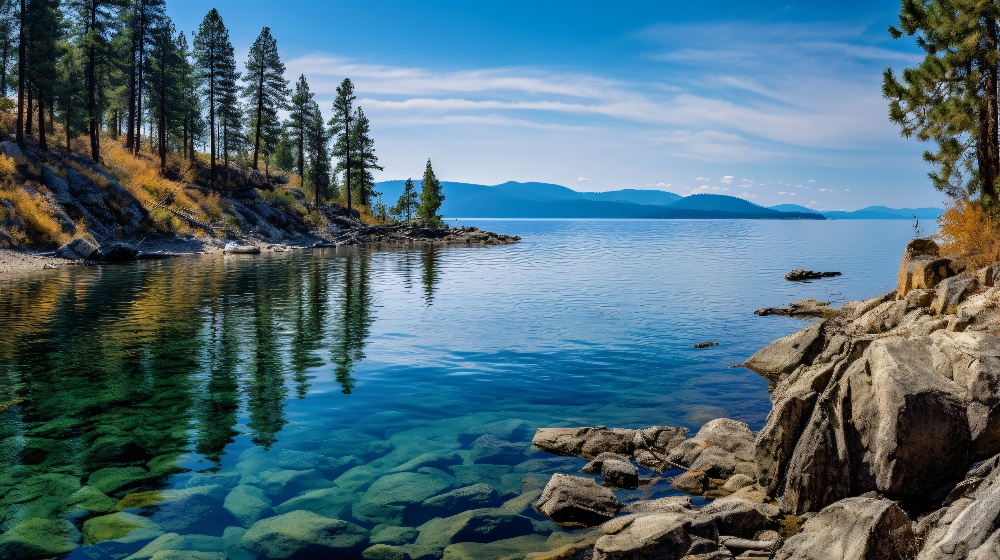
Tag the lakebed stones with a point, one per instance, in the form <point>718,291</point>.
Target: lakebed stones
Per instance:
<point>573,501</point>
<point>302,532</point>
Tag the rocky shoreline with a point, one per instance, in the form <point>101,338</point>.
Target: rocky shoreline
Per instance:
<point>883,442</point>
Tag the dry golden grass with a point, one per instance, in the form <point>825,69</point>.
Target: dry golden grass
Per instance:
<point>34,218</point>
<point>970,233</point>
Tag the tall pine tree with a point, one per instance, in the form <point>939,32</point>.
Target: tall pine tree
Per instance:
<point>340,131</point>
<point>407,204</point>
<point>214,56</point>
<point>267,93</point>
<point>298,122</point>
<point>431,198</point>
<point>951,97</point>
<point>363,159</point>
<point>318,147</point>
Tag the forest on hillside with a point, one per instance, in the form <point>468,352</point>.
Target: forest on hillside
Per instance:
<point>119,68</point>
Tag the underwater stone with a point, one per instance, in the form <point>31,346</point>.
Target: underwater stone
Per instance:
<point>509,430</point>
<point>120,527</point>
<point>247,504</point>
<point>303,532</point>
<point>328,502</point>
<point>39,538</point>
<point>115,478</point>
<point>387,498</point>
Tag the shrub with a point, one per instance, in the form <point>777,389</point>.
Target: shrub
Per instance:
<point>33,217</point>
<point>969,232</point>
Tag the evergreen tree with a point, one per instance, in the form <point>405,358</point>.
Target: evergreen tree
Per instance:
<point>430,198</point>
<point>22,67</point>
<point>363,160</point>
<point>166,98</point>
<point>298,122</point>
<point>70,91</point>
<point>317,145</point>
<point>267,92</point>
<point>951,97</point>
<point>143,20</point>
<point>8,42</point>
<point>340,130</point>
<point>284,156</point>
<point>230,112</point>
<point>98,20</point>
<point>42,33</point>
<point>192,124</point>
<point>406,206</point>
<point>214,56</point>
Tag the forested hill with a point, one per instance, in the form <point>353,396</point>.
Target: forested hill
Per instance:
<point>545,200</point>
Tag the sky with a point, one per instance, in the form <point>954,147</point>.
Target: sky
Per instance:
<point>775,102</point>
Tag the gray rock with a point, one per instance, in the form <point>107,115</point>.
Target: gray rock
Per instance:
<point>563,441</point>
<point>479,525</point>
<point>952,292</point>
<point>854,529</point>
<point>334,503</point>
<point>620,474</point>
<point>509,430</point>
<point>658,535</point>
<point>302,533</point>
<point>659,439</point>
<point>617,440</point>
<point>573,501</point>
<point>740,518</point>
<point>921,267</point>
<point>594,466</point>
<point>691,482</point>
<point>716,462</point>
<point>81,248</point>
<point>782,356</point>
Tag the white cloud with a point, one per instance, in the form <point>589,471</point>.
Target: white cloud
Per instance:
<point>663,185</point>
<point>826,190</point>
<point>582,179</point>
<point>748,195</point>
<point>800,186</point>
<point>727,180</point>
<point>787,193</point>
<point>702,179</point>
<point>811,181</point>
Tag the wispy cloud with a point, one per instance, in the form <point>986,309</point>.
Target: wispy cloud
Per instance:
<point>582,179</point>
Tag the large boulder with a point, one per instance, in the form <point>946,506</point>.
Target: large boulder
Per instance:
<point>967,527</point>
<point>782,356</point>
<point>573,501</point>
<point>921,267</point>
<point>304,534</point>
<point>854,529</point>
<point>388,497</point>
<point>81,248</point>
<point>666,536</point>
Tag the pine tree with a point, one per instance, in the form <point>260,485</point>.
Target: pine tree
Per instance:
<point>70,91</point>
<point>267,93</point>
<point>363,159</point>
<point>214,55</point>
<point>42,33</point>
<point>951,97</point>
<point>192,124</point>
<point>430,198</point>
<point>407,204</point>
<point>164,85</point>
<point>143,19</point>
<point>317,145</point>
<point>298,122</point>
<point>98,20</point>
<point>8,41</point>
<point>230,111</point>
<point>340,131</point>
<point>22,69</point>
<point>284,156</point>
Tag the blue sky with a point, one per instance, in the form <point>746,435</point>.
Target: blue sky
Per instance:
<point>776,102</point>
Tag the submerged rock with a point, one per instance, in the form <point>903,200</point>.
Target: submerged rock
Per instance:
<point>809,307</point>
<point>573,501</point>
<point>302,532</point>
<point>39,538</point>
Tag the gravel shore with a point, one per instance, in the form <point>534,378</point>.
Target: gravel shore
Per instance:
<point>16,262</point>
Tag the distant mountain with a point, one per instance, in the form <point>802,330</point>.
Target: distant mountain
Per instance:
<point>869,213</point>
<point>635,196</point>
<point>546,200</point>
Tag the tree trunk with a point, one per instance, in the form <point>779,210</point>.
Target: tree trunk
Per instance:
<point>130,124</point>
<point>260,113</point>
<point>41,121</point>
<point>95,128</point>
<point>988,145</point>
<point>139,75</point>
<point>211,117</point>
<point>20,78</point>
<point>163,122</point>
<point>347,147</point>
<point>69,119</point>
<point>30,114</point>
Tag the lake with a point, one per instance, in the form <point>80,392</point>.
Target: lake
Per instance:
<point>185,400</point>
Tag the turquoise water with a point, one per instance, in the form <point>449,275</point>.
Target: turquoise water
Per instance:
<point>366,377</point>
